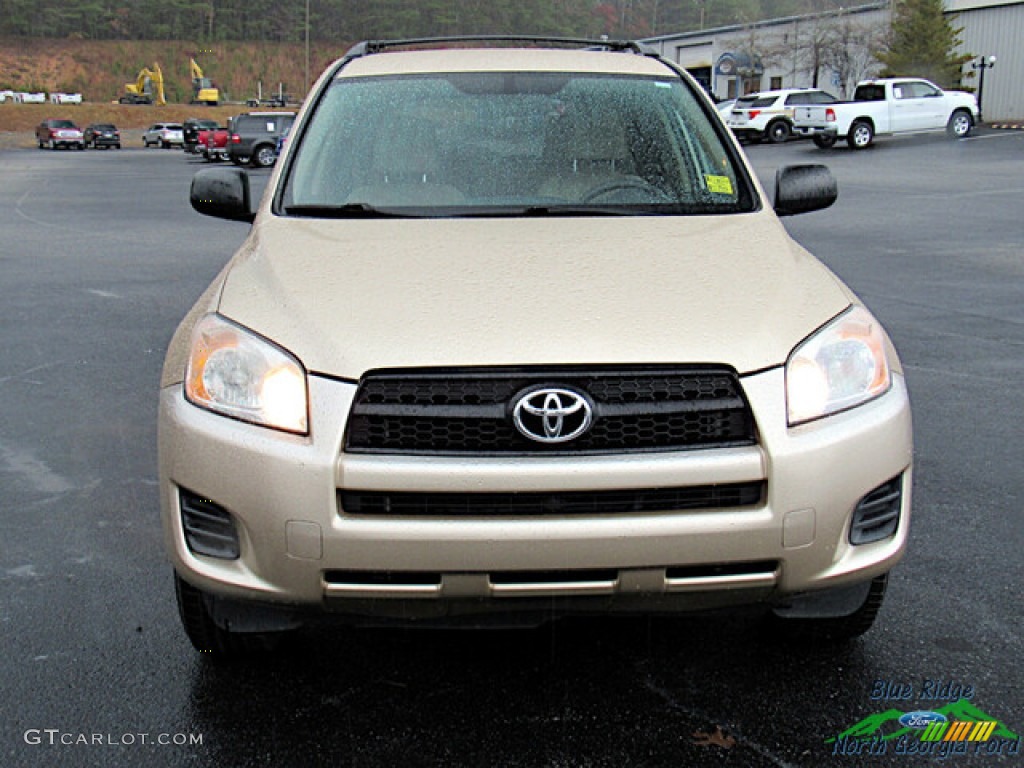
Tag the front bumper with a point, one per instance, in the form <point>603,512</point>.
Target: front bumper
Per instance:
<point>67,142</point>
<point>298,547</point>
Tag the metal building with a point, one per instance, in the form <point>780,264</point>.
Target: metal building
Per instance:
<point>780,53</point>
<point>784,53</point>
<point>994,28</point>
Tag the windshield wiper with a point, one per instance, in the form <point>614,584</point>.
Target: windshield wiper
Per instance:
<point>577,210</point>
<point>346,211</point>
<point>542,211</point>
<point>366,211</point>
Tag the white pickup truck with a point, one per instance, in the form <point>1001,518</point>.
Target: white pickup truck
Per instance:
<point>887,106</point>
<point>24,97</point>
<point>65,98</point>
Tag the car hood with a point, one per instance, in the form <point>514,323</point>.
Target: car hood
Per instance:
<point>349,296</point>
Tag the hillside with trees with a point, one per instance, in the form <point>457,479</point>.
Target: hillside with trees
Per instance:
<point>99,69</point>
<point>211,21</point>
<point>96,46</point>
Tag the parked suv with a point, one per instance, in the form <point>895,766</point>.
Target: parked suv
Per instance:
<point>56,132</point>
<point>165,135</point>
<point>769,115</point>
<point>102,135</point>
<point>497,349</point>
<point>254,137</point>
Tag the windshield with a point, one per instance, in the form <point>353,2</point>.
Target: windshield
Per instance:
<point>511,143</point>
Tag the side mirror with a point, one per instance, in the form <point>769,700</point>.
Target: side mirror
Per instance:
<point>223,193</point>
<point>804,188</point>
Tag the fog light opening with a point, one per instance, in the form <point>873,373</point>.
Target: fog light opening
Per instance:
<point>209,529</point>
<point>877,515</point>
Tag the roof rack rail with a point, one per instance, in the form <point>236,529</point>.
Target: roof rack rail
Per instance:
<point>377,46</point>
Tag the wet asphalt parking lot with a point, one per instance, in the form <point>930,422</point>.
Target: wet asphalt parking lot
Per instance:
<point>101,256</point>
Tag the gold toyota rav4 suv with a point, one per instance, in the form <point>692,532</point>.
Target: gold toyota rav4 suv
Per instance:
<point>497,349</point>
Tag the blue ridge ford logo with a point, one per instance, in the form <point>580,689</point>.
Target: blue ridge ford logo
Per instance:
<point>552,415</point>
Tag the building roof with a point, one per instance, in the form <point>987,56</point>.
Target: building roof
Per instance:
<point>877,6</point>
<point>955,6</point>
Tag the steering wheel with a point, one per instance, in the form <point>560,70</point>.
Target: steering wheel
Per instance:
<point>626,184</point>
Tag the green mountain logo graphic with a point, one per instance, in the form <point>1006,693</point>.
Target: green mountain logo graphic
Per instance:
<point>886,725</point>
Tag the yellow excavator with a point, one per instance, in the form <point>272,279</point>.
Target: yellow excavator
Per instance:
<point>203,89</point>
<point>148,88</point>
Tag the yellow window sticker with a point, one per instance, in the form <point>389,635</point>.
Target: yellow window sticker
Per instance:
<point>720,185</point>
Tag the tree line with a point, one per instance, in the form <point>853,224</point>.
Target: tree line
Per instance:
<point>210,21</point>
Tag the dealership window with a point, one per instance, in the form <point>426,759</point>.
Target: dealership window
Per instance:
<point>776,84</point>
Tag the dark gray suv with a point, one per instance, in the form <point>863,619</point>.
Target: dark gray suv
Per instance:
<point>254,136</point>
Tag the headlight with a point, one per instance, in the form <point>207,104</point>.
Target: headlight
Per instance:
<point>236,373</point>
<point>841,366</point>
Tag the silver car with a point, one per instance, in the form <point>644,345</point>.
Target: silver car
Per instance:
<point>164,135</point>
<point>497,350</point>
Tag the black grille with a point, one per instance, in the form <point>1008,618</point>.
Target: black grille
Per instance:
<point>539,504</point>
<point>459,412</point>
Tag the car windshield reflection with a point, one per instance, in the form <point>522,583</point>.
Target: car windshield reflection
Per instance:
<point>523,144</point>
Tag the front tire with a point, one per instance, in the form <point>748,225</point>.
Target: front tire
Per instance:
<point>830,629</point>
<point>823,141</point>
<point>208,638</point>
<point>960,124</point>
<point>861,135</point>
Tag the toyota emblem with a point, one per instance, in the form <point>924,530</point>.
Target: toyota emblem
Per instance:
<point>552,415</point>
